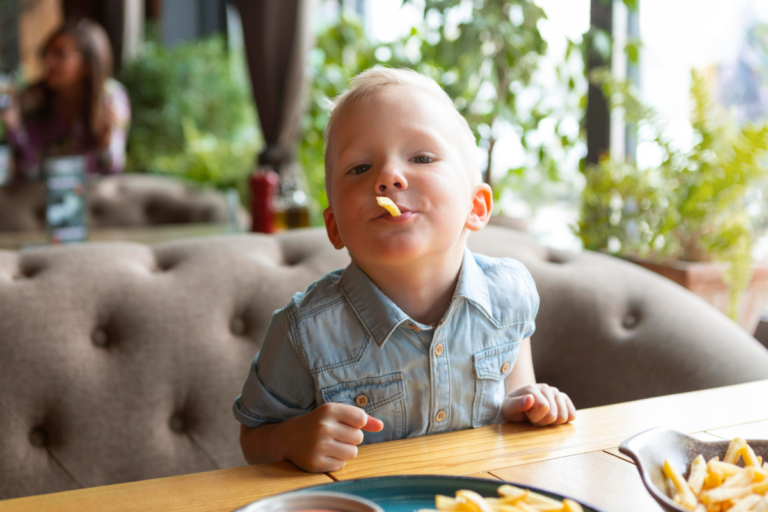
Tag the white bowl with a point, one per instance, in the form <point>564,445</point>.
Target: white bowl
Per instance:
<point>299,501</point>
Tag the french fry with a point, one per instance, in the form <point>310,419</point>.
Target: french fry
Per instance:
<point>721,494</point>
<point>723,469</point>
<point>732,455</point>
<point>511,499</point>
<point>746,504</point>
<point>474,499</point>
<point>688,499</point>
<point>713,480</point>
<point>388,205</point>
<point>761,488</point>
<point>762,505</point>
<point>741,479</point>
<point>748,454</point>
<point>571,506</point>
<point>698,474</point>
<point>445,503</point>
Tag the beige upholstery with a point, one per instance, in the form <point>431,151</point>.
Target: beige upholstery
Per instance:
<point>126,200</point>
<point>120,362</point>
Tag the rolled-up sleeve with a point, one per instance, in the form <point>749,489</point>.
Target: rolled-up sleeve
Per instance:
<point>278,387</point>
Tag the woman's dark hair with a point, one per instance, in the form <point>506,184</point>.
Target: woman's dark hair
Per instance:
<point>94,46</point>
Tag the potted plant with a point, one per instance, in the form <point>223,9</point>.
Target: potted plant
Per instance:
<point>685,218</point>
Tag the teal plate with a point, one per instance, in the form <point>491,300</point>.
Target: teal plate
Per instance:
<point>410,493</point>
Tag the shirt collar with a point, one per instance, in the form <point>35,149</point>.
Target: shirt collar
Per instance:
<point>381,316</point>
<point>472,284</point>
<point>376,311</point>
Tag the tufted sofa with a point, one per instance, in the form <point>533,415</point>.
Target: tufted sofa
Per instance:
<point>119,362</point>
<point>125,200</point>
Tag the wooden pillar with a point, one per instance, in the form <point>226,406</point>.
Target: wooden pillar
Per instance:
<point>598,114</point>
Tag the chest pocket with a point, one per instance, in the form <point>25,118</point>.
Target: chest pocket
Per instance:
<point>381,397</point>
<point>491,367</point>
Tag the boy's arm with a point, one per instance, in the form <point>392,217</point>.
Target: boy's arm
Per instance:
<point>322,440</point>
<point>522,372</point>
<point>281,420</point>
<point>540,404</point>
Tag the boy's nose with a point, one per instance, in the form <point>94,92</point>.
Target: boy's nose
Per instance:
<point>388,179</point>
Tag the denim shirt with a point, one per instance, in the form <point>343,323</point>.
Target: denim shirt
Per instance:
<point>344,341</point>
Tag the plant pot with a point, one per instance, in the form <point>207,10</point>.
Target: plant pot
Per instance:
<point>705,279</point>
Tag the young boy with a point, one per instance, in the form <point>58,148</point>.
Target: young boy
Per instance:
<point>417,335</point>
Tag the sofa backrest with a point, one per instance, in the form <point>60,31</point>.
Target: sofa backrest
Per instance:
<point>125,200</point>
<point>120,362</point>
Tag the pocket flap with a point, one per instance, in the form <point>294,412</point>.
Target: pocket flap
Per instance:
<point>368,394</point>
<point>496,363</point>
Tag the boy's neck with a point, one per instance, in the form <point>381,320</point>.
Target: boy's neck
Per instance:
<point>422,290</point>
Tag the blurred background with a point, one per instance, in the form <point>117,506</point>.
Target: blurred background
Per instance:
<point>634,127</point>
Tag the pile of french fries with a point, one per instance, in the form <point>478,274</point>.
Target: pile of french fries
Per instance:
<point>722,486</point>
<point>511,499</point>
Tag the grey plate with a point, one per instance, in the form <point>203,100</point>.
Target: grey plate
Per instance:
<point>651,448</point>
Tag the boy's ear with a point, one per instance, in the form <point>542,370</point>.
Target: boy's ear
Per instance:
<point>482,206</point>
<point>332,229</point>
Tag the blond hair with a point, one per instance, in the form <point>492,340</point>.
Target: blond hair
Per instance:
<point>366,83</point>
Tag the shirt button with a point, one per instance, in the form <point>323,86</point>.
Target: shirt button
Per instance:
<point>440,416</point>
<point>439,349</point>
<point>361,400</point>
<point>505,368</point>
<point>414,327</point>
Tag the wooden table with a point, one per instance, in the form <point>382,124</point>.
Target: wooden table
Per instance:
<point>15,240</point>
<point>579,459</point>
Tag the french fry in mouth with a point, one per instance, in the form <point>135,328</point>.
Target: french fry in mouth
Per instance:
<point>388,205</point>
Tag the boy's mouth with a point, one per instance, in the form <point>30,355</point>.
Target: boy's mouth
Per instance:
<point>406,215</point>
<point>403,211</point>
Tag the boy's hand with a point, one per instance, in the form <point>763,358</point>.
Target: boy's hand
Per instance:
<point>540,404</point>
<point>324,439</point>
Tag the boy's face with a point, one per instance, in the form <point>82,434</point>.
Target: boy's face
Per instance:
<point>404,144</point>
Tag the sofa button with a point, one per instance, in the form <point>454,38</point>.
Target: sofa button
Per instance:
<point>505,368</point>
<point>440,416</point>
<point>38,437</point>
<point>237,326</point>
<point>630,321</point>
<point>439,349</point>
<point>178,423</point>
<point>361,400</point>
<point>99,338</point>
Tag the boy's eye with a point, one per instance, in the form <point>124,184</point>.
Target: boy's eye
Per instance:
<point>421,159</point>
<point>360,169</point>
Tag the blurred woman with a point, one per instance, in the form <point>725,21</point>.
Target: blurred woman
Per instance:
<point>77,109</point>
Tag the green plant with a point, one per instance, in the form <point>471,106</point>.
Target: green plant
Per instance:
<point>341,52</point>
<point>191,113</point>
<point>691,207</point>
<point>485,59</point>
<point>487,62</point>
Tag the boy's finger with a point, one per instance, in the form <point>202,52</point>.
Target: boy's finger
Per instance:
<point>550,416</point>
<point>540,408</point>
<point>518,404</point>
<point>373,425</point>
<point>562,408</point>
<point>571,409</point>
<point>348,435</point>
<point>351,415</point>
<point>343,451</point>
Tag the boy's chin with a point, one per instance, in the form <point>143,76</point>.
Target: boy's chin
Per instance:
<point>394,252</point>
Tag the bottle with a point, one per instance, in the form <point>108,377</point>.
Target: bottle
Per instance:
<point>292,203</point>
<point>264,187</point>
